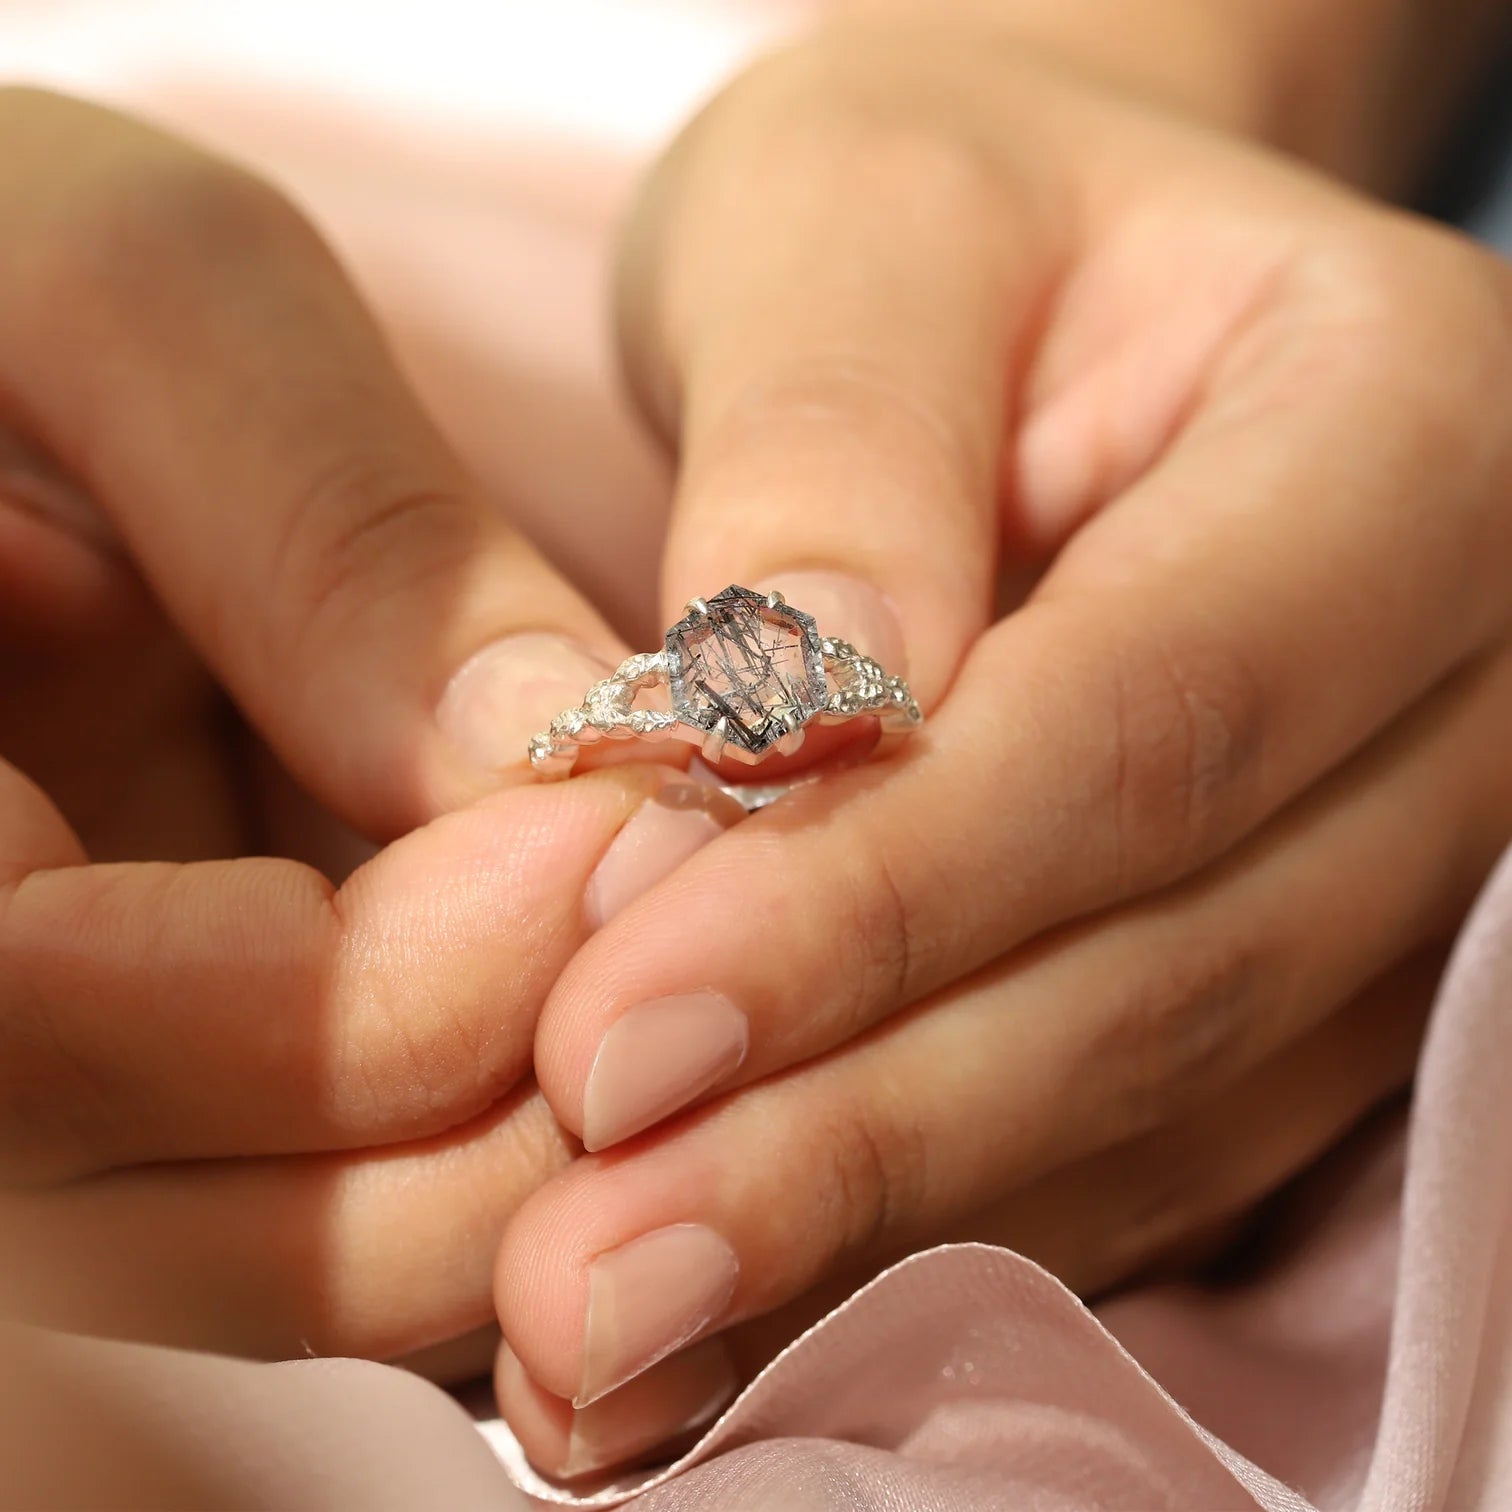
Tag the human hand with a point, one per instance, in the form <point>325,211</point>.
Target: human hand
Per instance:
<point>241,1107</point>
<point>1146,915</point>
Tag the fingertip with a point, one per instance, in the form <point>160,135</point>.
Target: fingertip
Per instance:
<point>540,1291</point>
<point>605,1271</point>
<point>540,1420</point>
<point>652,1412</point>
<point>674,823</point>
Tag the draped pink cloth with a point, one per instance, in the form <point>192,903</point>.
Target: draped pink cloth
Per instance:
<point>1365,1358</point>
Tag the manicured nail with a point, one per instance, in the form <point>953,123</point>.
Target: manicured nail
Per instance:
<point>650,1297</point>
<point>662,833</point>
<point>689,1392</point>
<point>510,691</point>
<point>848,609</point>
<point>656,1058</point>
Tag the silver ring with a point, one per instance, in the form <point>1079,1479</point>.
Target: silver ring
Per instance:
<point>746,674</point>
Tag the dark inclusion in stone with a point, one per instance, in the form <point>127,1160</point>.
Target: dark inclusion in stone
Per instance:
<point>748,664</point>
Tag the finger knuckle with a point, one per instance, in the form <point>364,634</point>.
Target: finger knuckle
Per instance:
<point>1177,1030</point>
<point>414,1057</point>
<point>1188,731</point>
<point>362,533</point>
<point>411,1068</point>
<point>875,1175</point>
<point>880,936</point>
<point>56,1101</point>
<point>392,1081</point>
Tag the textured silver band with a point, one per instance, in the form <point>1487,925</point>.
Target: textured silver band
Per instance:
<point>853,686</point>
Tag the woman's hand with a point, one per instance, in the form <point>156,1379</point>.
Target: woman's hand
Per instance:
<point>241,1107</point>
<point>1138,923</point>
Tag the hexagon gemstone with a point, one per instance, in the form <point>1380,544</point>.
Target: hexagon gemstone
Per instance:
<point>746,663</point>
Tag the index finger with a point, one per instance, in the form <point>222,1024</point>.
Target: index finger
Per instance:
<point>177,334</point>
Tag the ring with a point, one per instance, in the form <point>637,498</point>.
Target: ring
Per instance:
<point>746,673</point>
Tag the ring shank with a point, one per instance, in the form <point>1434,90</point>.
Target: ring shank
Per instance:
<point>858,688</point>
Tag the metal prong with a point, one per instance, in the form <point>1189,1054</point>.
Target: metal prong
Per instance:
<point>699,607</point>
<point>714,741</point>
<point>775,600</point>
<point>792,722</point>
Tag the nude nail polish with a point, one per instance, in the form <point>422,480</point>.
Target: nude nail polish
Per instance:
<point>656,1058</point>
<point>689,1393</point>
<point>648,1298</point>
<point>849,608</point>
<point>510,691</point>
<point>662,833</point>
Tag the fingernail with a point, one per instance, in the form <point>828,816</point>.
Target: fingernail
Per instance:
<point>659,836</point>
<point>650,1297</point>
<point>511,690</point>
<point>848,609</point>
<point>657,1057</point>
<point>689,1393</point>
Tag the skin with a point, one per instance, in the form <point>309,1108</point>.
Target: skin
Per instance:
<point>1241,429</point>
<point>920,306</point>
<point>235,1114</point>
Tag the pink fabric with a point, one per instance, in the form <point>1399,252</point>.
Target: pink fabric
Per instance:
<point>1366,1362</point>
